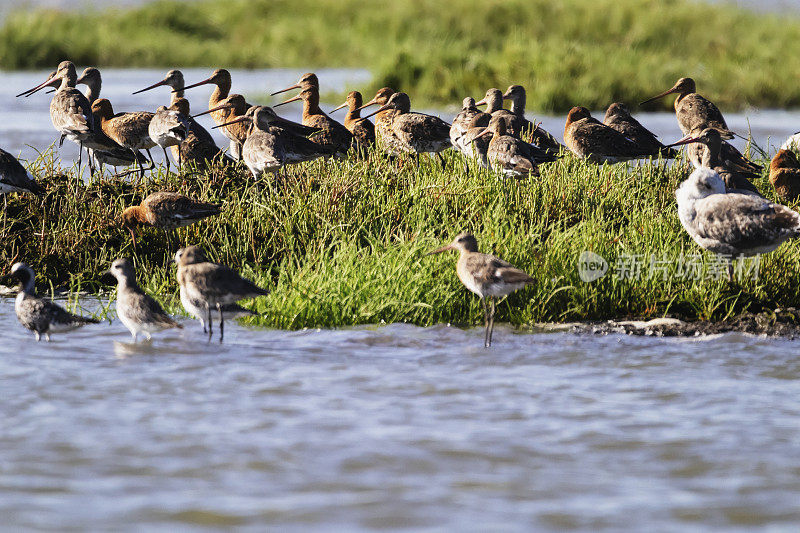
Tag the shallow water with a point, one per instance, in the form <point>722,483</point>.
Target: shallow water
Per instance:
<point>26,125</point>
<point>397,427</point>
<point>390,427</point>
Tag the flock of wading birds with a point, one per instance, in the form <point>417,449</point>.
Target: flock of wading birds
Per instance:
<point>718,204</point>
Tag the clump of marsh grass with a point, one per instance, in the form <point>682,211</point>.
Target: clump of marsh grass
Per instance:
<point>343,242</point>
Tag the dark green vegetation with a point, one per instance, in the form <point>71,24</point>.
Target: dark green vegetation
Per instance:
<point>342,242</point>
<point>571,52</point>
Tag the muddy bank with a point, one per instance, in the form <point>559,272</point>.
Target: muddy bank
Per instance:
<point>777,323</point>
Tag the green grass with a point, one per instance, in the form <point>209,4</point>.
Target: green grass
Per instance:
<point>572,52</point>
<point>343,242</point>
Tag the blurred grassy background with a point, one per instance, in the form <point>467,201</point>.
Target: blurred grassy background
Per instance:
<point>572,52</point>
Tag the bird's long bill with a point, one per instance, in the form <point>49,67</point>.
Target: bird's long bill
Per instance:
<point>482,102</point>
<point>38,88</point>
<point>338,108</point>
<point>484,133</point>
<point>198,84</point>
<point>292,99</point>
<point>381,108</point>
<point>662,95</point>
<point>158,84</point>
<point>440,250</point>
<point>371,102</point>
<point>243,118</point>
<point>684,140</point>
<point>218,108</point>
<point>295,86</point>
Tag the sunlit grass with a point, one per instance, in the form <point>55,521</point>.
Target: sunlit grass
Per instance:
<point>343,242</point>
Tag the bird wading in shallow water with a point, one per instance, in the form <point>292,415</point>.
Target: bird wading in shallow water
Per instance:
<point>485,275</point>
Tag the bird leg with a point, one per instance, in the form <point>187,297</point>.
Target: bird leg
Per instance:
<point>731,279</point>
<point>485,323</point>
<point>150,157</point>
<point>210,324</point>
<point>221,322</point>
<point>491,323</point>
<point>166,157</point>
<point>441,159</point>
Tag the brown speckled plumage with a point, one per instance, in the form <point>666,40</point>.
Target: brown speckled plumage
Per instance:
<point>784,174</point>
<point>694,113</point>
<point>526,129</point>
<point>383,119</point>
<point>485,275</point>
<point>14,177</point>
<point>168,210</point>
<point>735,178</point>
<point>333,136</point>
<point>362,129</point>
<point>512,156</point>
<point>130,130</point>
<point>619,118</point>
<point>415,132</point>
<point>589,138</point>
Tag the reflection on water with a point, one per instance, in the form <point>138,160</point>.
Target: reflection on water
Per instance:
<point>397,427</point>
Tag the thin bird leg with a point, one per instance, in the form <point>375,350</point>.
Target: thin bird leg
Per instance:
<point>221,322</point>
<point>210,324</point>
<point>139,163</point>
<point>166,157</point>
<point>180,161</point>
<point>441,159</point>
<point>485,323</point>
<point>150,157</point>
<point>491,322</point>
<point>730,270</point>
<point>80,155</point>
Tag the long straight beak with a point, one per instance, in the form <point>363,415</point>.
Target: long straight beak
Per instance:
<point>656,97</point>
<point>49,92</point>
<point>37,88</point>
<point>238,120</point>
<point>295,86</point>
<point>485,133</point>
<point>218,108</point>
<point>381,108</point>
<point>159,84</point>
<point>292,99</point>
<point>338,108</point>
<point>371,102</point>
<point>481,102</point>
<point>684,140</point>
<point>440,250</point>
<point>198,84</point>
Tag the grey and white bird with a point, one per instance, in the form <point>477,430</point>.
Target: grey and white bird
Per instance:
<point>732,224</point>
<point>139,311</point>
<point>212,285</point>
<point>41,315</point>
<point>168,128</point>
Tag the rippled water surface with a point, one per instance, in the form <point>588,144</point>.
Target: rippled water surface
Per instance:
<point>397,427</point>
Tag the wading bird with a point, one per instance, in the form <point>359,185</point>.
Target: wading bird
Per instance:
<point>618,117</point>
<point>485,275</point>
<point>212,285</point>
<point>41,315</point>
<point>136,309</point>
<point>784,174</point>
<point>130,130</point>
